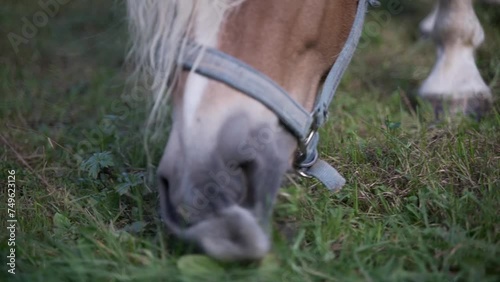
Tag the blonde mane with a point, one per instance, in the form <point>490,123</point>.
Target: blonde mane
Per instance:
<point>159,30</point>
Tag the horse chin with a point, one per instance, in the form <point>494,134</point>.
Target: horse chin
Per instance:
<point>233,234</point>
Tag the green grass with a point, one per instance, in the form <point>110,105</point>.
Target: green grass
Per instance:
<point>421,201</point>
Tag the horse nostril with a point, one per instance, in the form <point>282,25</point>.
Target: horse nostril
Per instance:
<point>163,182</point>
<point>166,211</point>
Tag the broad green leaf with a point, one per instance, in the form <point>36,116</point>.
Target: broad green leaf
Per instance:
<point>199,266</point>
<point>96,163</point>
<point>60,221</point>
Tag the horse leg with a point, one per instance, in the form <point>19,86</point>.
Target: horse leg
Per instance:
<point>427,24</point>
<point>455,82</point>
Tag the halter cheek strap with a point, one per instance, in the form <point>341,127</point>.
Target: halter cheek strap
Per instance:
<point>304,125</point>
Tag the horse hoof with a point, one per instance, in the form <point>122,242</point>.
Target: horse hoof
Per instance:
<point>475,106</point>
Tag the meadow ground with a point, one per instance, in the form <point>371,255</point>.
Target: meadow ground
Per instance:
<point>421,202</point>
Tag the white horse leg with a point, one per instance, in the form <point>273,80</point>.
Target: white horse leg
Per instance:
<point>455,80</point>
<point>427,24</point>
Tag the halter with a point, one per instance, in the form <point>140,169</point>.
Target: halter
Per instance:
<point>304,125</point>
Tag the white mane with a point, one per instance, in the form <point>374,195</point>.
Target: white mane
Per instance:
<point>160,30</point>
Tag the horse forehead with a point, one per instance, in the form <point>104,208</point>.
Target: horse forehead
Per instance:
<point>295,23</point>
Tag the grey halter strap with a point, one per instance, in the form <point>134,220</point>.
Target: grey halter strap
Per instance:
<point>304,125</point>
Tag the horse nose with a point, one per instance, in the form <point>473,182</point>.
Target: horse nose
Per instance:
<point>193,192</point>
<point>220,196</point>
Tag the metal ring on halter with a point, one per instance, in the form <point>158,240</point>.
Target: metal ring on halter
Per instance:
<point>304,174</point>
<point>302,164</point>
<point>303,167</point>
<point>303,144</point>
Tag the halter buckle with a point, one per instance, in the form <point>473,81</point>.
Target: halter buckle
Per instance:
<point>304,144</point>
<point>304,166</point>
<point>307,154</point>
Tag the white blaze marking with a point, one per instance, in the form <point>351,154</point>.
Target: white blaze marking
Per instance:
<point>206,31</point>
<point>195,87</point>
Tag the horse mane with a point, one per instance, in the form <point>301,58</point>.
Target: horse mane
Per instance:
<point>159,31</point>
